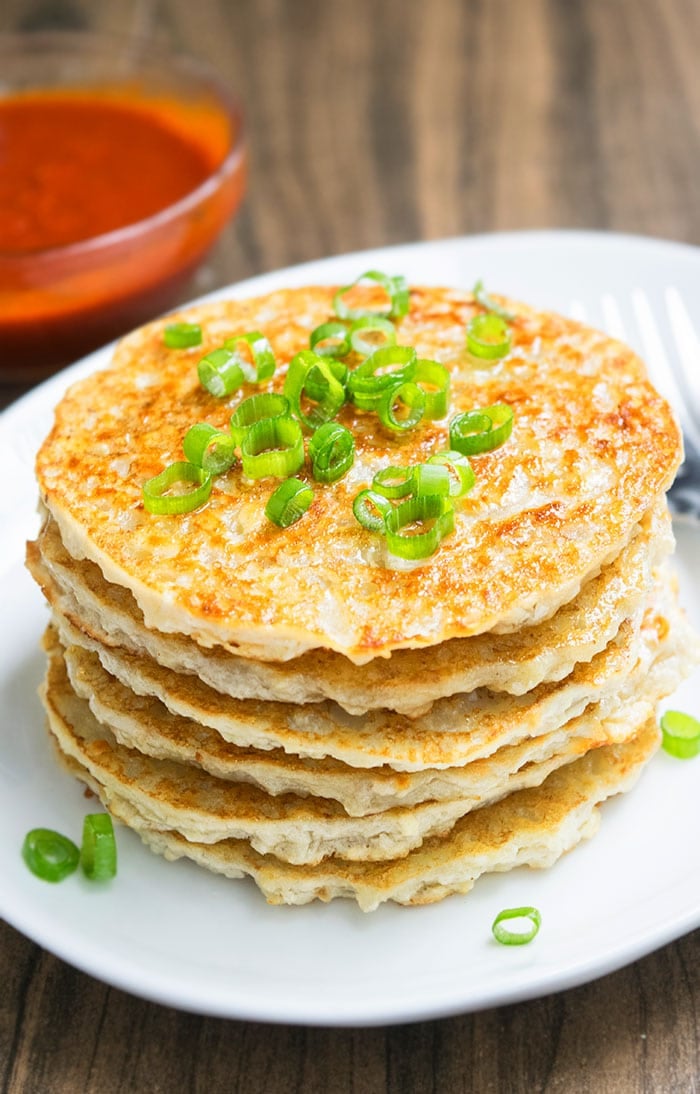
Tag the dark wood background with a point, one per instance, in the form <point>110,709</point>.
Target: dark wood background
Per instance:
<point>374,122</point>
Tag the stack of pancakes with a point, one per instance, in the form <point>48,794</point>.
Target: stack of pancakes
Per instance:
<point>294,705</point>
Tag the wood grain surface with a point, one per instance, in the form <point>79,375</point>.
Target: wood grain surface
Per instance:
<point>374,122</point>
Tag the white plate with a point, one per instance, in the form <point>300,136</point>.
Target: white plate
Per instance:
<point>175,934</point>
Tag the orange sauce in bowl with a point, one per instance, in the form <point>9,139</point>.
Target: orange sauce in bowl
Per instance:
<point>78,166</point>
<point>75,167</point>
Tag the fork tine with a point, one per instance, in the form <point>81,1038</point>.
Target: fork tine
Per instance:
<point>612,318</point>
<point>659,364</point>
<point>688,348</point>
<point>677,377</point>
<point>577,311</point>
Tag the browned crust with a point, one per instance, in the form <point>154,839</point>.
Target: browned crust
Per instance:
<point>592,446</point>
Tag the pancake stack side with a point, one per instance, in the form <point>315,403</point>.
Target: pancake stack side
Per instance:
<point>297,706</point>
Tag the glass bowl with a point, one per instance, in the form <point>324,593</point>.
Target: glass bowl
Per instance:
<point>58,302</point>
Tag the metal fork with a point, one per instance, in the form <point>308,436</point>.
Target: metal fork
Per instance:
<point>664,335</point>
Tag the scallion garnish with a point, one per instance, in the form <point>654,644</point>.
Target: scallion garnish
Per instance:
<point>157,500</point>
<point>182,335</point>
<point>434,379</point>
<point>98,854</point>
<point>383,369</point>
<point>488,304</point>
<point>392,381</point>
<point>226,369</point>
<point>680,734</point>
<point>332,452</point>
<point>481,430</point>
<point>311,378</point>
<point>364,332</point>
<point>393,482</point>
<point>415,528</point>
<point>431,478</point>
<point>395,288</point>
<point>330,340</point>
<point>316,384</point>
<point>272,446</point>
<point>371,510</point>
<point>406,395</point>
<point>488,336</point>
<point>260,350</point>
<point>220,372</point>
<point>265,404</point>
<point>506,936</point>
<point>49,855</point>
<point>288,502</point>
<point>458,467</point>
<point>209,448</point>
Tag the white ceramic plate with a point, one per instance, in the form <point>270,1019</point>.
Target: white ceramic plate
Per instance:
<point>175,934</point>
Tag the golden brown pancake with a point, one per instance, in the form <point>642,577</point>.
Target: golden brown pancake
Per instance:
<point>456,731</point>
<point>593,445</point>
<point>514,663</point>
<point>530,828</point>
<point>298,706</point>
<point>143,723</point>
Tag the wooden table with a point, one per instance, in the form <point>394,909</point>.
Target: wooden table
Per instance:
<point>372,123</point>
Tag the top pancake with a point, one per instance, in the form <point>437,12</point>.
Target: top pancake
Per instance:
<point>593,444</point>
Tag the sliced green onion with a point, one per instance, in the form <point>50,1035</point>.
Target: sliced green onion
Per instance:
<point>680,734</point>
<point>383,369</point>
<point>431,478</point>
<point>332,452</point>
<point>371,510</point>
<point>488,337</point>
<point>481,430</point>
<point>260,350</point>
<point>316,384</point>
<point>98,855</point>
<point>408,395</point>
<point>272,446</point>
<point>434,379</point>
<point>49,855</point>
<point>182,335</point>
<point>489,304</point>
<point>288,502</point>
<point>395,288</point>
<point>458,467</point>
<point>404,537</point>
<point>363,334</point>
<point>309,371</point>
<point>226,369</point>
<point>221,372</point>
<point>266,404</point>
<point>156,500</point>
<point>386,366</point>
<point>209,448</point>
<point>330,340</point>
<point>516,938</point>
<point>393,482</point>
